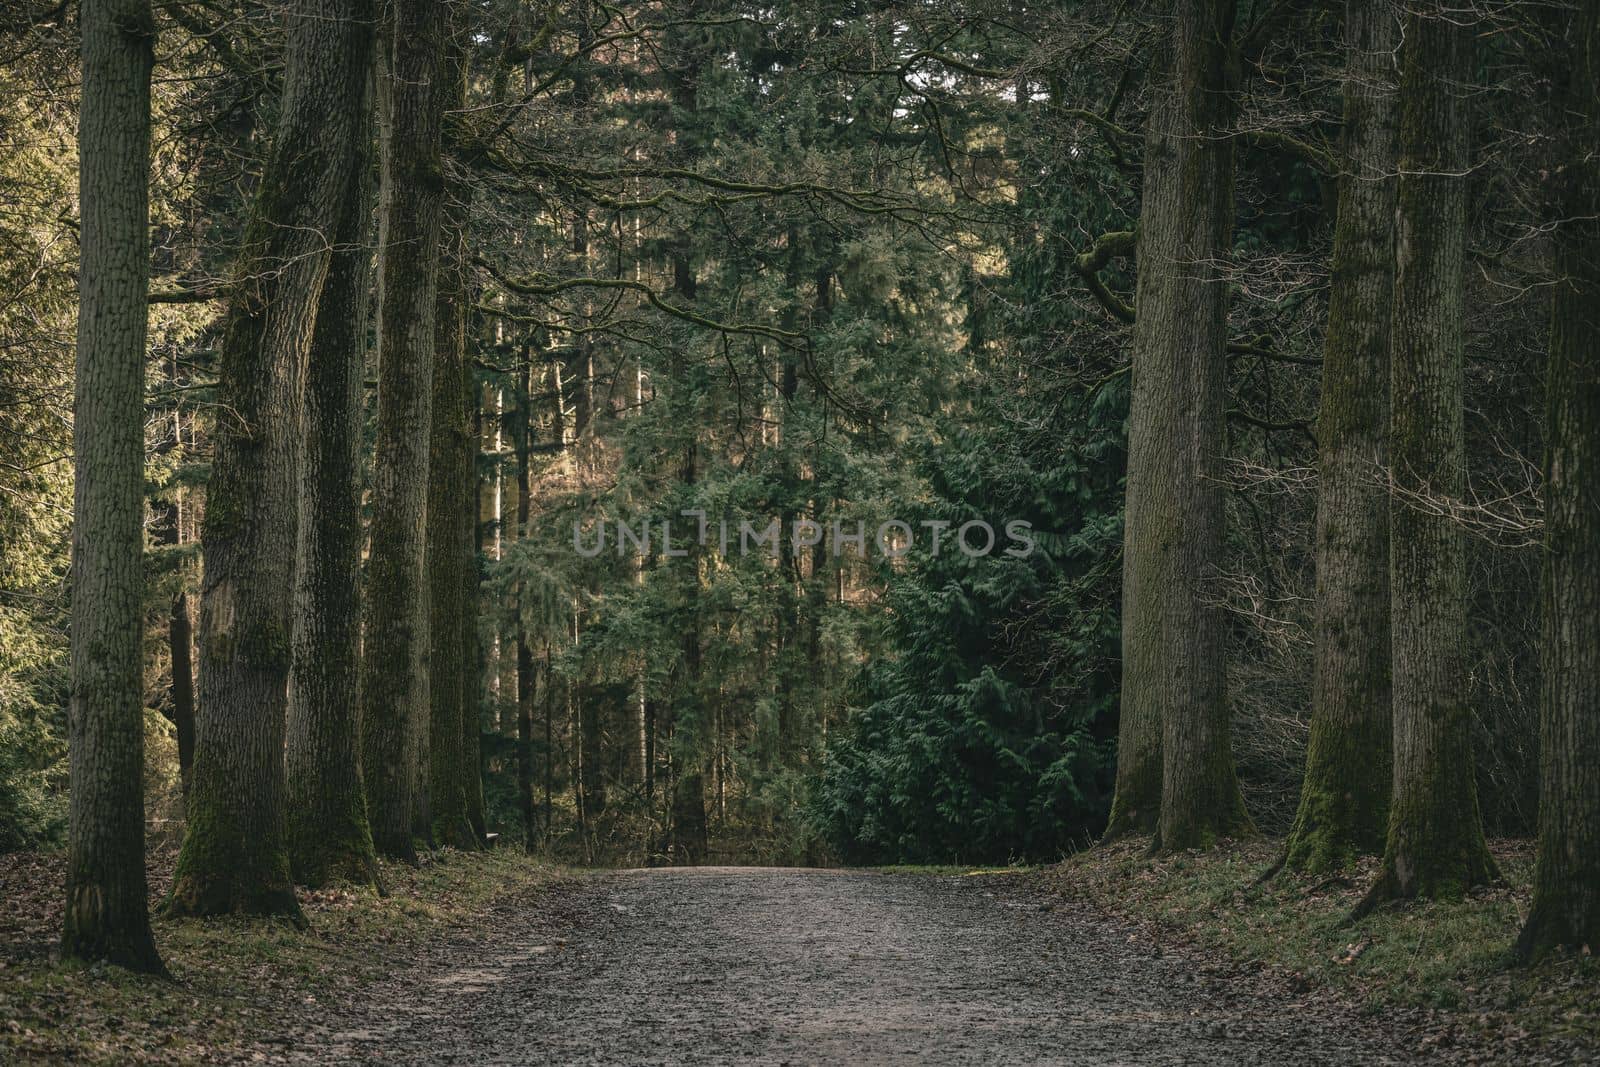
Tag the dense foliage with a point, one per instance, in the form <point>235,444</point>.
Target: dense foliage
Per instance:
<point>817,261</point>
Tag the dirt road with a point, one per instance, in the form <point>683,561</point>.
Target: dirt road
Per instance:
<point>719,965</point>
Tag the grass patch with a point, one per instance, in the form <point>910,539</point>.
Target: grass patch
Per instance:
<point>1451,956</point>
<point>235,980</point>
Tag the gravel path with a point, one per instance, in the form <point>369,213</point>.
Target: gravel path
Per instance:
<point>776,966</point>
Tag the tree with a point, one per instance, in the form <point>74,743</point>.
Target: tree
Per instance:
<point>1173,633</point>
<point>234,857</point>
<point>1566,883</point>
<point>395,712</point>
<point>1344,797</point>
<point>107,913</point>
<point>448,555</point>
<point>329,838</point>
<point>1435,844</point>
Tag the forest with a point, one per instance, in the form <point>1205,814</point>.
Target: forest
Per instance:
<point>513,436</point>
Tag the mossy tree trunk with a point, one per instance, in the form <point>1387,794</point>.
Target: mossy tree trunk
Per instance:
<point>329,838</point>
<point>234,857</point>
<point>1176,758</point>
<point>395,708</point>
<point>107,914</point>
<point>1566,884</point>
<point>1344,797</point>
<point>1435,844</point>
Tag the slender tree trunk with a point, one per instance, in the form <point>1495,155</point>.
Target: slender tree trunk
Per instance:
<point>1174,699</point>
<point>180,627</point>
<point>234,857</point>
<point>525,695</point>
<point>180,646</point>
<point>1566,882</point>
<point>471,645</point>
<point>1344,798</point>
<point>688,816</point>
<point>1435,840</point>
<point>107,914</point>
<point>521,445</point>
<point>395,669</point>
<point>329,838</point>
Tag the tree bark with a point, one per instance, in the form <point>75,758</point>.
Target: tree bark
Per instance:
<point>1566,881</point>
<point>1174,700</point>
<point>521,445</point>
<point>1344,798</point>
<point>107,914</point>
<point>395,668</point>
<point>329,838</point>
<point>449,470</point>
<point>1435,844</point>
<point>234,857</point>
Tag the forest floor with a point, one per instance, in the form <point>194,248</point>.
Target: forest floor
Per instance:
<point>1108,958</point>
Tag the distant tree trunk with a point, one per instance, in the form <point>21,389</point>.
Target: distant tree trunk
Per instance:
<point>107,916</point>
<point>471,645</point>
<point>1566,883</point>
<point>1174,678</point>
<point>234,857</point>
<point>180,627</point>
<point>525,695</point>
<point>395,668</point>
<point>449,470</point>
<point>329,838</point>
<point>521,444</point>
<point>1344,798</point>
<point>1435,839</point>
<point>689,842</point>
<point>180,645</point>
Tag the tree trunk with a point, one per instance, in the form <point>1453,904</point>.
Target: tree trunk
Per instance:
<point>688,815</point>
<point>395,669</point>
<point>521,446</point>
<point>1566,881</point>
<point>107,915</point>
<point>329,838</point>
<point>471,645</point>
<point>525,695</point>
<point>234,857</point>
<point>449,469</point>
<point>1435,841</point>
<point>1175,708</point>
<point>1344,798</point>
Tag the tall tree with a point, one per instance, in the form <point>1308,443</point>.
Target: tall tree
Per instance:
<point>328,834</point>
<point>1173,634</point>
<point>1344,798</point>
<point>1435,844</point>
<point>234,856</point>
<point>1566,883</point>
<point>449,469</point>
<point>395,711</point>
<point>107,914</point>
